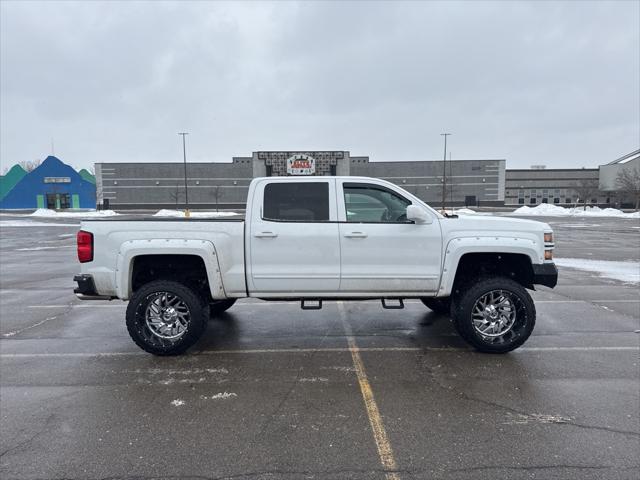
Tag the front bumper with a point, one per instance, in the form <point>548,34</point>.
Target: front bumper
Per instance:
<point>86,289</point>
<point>545,274</point>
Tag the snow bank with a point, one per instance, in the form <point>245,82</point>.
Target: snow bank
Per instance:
<point>180,213</point>
<point>549,210</point>
<point>623,271</point>
<point>468,211</point>
<point>465,211</point>
<point>43,212</point>
<point>31,223</point>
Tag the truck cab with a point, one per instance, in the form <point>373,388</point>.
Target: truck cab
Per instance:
<point>344,236</point>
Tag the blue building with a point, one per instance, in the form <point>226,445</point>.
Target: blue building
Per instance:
<point>53,185</point>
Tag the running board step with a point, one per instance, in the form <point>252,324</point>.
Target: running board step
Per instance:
<point>315,304</point>
<point>398,306</point>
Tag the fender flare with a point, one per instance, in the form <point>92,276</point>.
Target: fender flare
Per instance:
<point>458,247</point>
<point>131,249</point>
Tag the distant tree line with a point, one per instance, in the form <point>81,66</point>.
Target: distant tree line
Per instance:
<point>30,165</point>
<point>628,182</point>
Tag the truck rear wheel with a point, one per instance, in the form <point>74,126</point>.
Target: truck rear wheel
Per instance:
<point>220,306</point>
<point>438,305</point>
<point>494,315</point>
<point>166,317</point>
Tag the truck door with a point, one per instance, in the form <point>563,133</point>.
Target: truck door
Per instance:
<point>294,246</point>
<point>383,253</point>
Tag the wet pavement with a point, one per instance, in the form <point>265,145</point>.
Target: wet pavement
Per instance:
<point>275,392</point>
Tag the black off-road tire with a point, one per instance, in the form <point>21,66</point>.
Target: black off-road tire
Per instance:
<point>525,318</point>
<point>438,305</point>
<point>220,306</point>
<point>198,310</point>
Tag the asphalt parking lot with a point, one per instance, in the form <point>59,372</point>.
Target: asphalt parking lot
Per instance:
<point>350,391</point>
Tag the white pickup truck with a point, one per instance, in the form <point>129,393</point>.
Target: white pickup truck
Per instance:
<point>311,239</point>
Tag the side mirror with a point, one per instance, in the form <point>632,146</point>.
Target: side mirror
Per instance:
<point>418,215</point>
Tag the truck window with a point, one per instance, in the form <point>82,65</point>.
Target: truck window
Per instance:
<point>371,203</point>
<point>297,202</point>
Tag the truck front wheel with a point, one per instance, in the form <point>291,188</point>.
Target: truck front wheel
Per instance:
<point>166,317</point>
<point>494,315</point>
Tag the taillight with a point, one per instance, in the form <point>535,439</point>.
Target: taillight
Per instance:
<point>85,246</point>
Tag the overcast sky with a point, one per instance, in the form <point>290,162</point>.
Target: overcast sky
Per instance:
<point>536,83</point>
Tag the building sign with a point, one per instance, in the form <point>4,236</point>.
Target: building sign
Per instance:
<point>301,164</point>
<point>57,179</point>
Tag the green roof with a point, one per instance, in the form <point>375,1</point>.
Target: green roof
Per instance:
<point>8,181</point>
<point>87,176</point>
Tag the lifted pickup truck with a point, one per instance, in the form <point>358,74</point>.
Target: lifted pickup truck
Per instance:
<point>311,239</point>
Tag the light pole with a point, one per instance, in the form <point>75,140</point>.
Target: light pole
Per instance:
<point>444,170</point>
<point>184,156</point>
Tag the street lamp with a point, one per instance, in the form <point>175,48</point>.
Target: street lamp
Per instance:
<point>444,171</point>
<point>186,191</point>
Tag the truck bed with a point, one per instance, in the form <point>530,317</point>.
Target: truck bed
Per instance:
<point>116,240</point>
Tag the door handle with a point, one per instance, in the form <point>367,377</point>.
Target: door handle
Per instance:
<point>355,235</point>
<point>265,235</point>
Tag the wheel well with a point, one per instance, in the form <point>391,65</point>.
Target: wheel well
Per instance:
<point>516,266</point>
<point>189,270</point>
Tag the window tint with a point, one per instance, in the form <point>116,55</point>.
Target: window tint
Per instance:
<point>297,202</point>
<point>370,203</point>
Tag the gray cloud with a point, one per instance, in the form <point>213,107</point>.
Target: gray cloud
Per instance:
<point>552,83</point>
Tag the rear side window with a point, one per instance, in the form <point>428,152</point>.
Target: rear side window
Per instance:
<point>297,202</point>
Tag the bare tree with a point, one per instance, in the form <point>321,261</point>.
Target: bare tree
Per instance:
<point>30,165</point>
<point>217,194</point>
<point>97,195</point>
<point>586,188</point>
<point>628,181</point>
<point>175,196</point>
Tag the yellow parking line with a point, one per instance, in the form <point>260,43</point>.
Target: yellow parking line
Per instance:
<point>385,452</point>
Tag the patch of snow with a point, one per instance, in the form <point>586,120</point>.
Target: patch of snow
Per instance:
<point>576,225</point>
<point>340,369</point>
<point>175,371</point>
<point>29,223</point>
<point>524,419</point>
<point>178,403</point>
<point>623,271</point>
<point>314,379</point>
<point>465,211</point>
<point>550,210</point>
<point>468,211</point>
<point>43,212</point>
<point>180,214</point>
<point>15,332</point>
<point>219,396</point>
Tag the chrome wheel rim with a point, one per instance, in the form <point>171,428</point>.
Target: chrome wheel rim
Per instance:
<point>167,316</point>
<point>494,313</point>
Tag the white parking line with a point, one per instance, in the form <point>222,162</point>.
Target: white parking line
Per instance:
<point>587,301</point>
<point>322,350</point>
